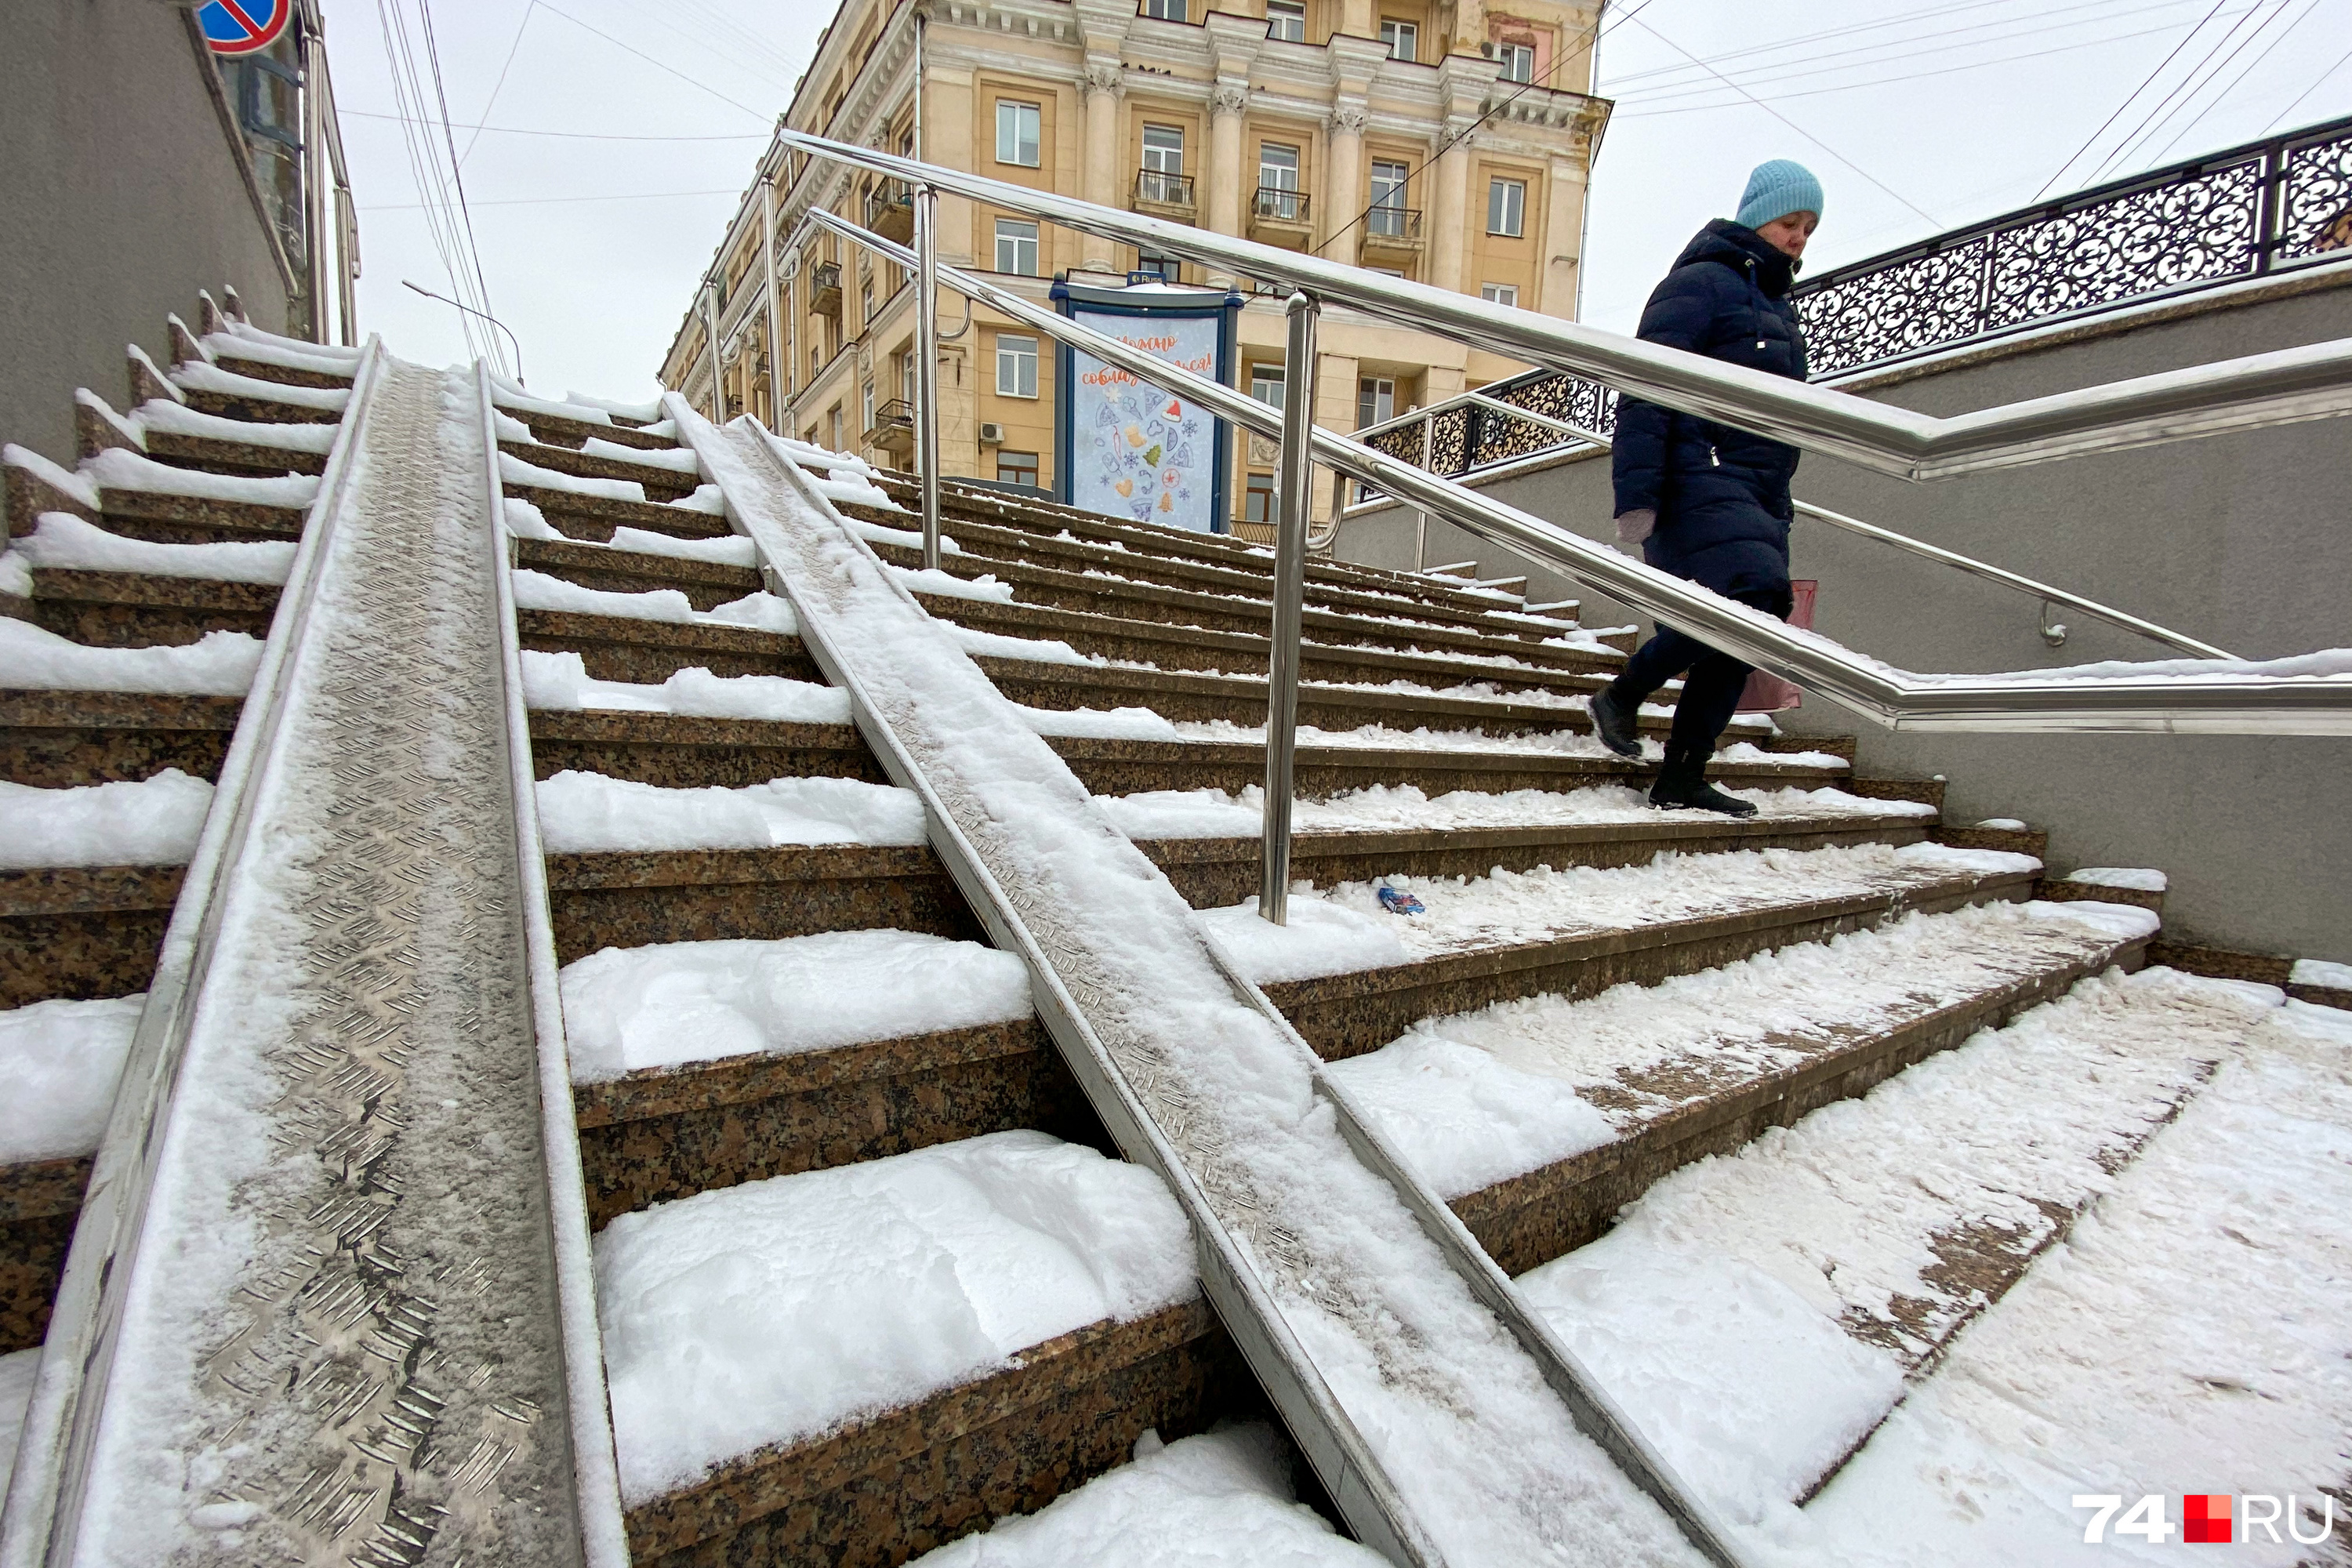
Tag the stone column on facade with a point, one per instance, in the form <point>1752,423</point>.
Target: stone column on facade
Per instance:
<point>1223,178</point>
<point>1356,19</point>
<point>1469,27</point>
<point>1343,190</point>
<point>1450,236</point>
<point>1106,83</point>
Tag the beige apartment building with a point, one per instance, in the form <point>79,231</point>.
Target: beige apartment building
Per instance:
<point>1446,142</point>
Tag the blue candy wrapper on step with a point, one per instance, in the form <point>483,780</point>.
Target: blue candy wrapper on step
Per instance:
<point>1398,903</point>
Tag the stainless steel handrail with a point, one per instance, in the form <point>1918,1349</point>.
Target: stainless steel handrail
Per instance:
<point>1985,570</point>
<point>2312,382</point>
<point>2246,700</point>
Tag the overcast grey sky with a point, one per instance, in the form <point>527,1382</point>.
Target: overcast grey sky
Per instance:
<point>617,136</point>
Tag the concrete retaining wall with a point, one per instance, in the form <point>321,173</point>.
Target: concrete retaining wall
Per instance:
<point>2243,540</point>
<point>124,195</point>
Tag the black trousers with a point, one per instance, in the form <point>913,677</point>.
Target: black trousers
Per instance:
<point>1712,681</point>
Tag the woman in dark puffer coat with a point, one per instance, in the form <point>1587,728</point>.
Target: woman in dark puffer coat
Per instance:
<point>1708,501</point>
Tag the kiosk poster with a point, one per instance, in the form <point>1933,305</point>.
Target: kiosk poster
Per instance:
<point>1138,452</point>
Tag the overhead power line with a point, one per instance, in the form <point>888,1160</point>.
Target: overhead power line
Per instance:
<point>565,135</point>
<point>2146,82</point>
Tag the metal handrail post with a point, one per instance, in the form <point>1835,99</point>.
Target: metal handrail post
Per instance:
<point>1294,494</point>
<point>1421,529</point>
<point>927,366</point>
<point>710,334</point>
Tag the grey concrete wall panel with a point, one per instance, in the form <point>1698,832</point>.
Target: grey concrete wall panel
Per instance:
<point>124,195</point>
<point>2245,541</point>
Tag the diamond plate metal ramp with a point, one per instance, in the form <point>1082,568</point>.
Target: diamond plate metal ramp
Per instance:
<point>312,1314</point>
<point>1442,1439</point>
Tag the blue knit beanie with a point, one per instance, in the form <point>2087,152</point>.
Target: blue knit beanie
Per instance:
<point>1777,189</point>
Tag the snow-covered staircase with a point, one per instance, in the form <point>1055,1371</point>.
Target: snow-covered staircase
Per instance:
<point>1801,1131</point>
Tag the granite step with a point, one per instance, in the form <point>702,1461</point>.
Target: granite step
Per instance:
<point>1683,920</point>
<point>1563,671</point>
<point>1678,1078</point>
<point>662,485</point>
<point>57,740</point>
<point>1189,697</point>
<point>708,583</point>
<point>227,359</point>
<point>644,652</point>
<point>81,931</point>
<point>555,430</point>
<point>594,517</point>
<point>684,752</point>
<point>1018,556</point>
<point>1214,872</point>
<point>1119,765</point>
<point>132,609</point>
<point>978,503</point>
<point>1106,590</point>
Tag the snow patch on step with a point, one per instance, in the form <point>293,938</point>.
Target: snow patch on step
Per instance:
<point>1478,1097</point>
<point>507,394</point>
<point>2320,973</point>
<point>1504,906</point>
<point>323,359</point>
<point>221,664</point>
<point>560,681</point>
<point>116,468</point>
<point>65,480</point>
<point>190,376</point>
<point>592,814</point>
<point>1221,814</point>
<point>676,460</point>
<point>1037,650</point>
<point>2188,1335</point>
<point>179,419</point>
<point>705,498</point>
<point>644,413</point>
<point>1837,1217</point>
<point>63,541</point>
<point>774,1310</point>
<point>543,591</point>
<point>515,472</point>
<point>1210,1501</point>
<point>947,584</point>
<point>1320,938</point>
<point>59,1063</point>
<point>629,1009</point>
<point>2136,878</point>
<point>151,821</point>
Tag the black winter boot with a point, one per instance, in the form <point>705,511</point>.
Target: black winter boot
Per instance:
<point>1682,782</point>
<point>1616,720</point>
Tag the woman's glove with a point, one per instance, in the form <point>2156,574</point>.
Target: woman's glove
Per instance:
<point>1633,527</point>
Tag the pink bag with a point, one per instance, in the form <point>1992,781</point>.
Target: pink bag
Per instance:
<point>1767,692</point>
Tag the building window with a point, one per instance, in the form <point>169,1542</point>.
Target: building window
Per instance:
<point>1402,41</point>
<point>1257,499</point>
<point>1386,215</point>
<point>1506,208</point>
<point>909,363</point>
<point>1375,401</point>
<point>1018,132</point>
<point>1265,385</point>
<point>1162,176</point>
<point>1500,293</point>
<point>1152,263</point>
<point>1277,183</point>
<point>865,302</point>
<point>1518,61</point>
<point>1016,366</point>
<point>869,405</point>
<point>1016,467</point>
<point>1016,246</point>
<point>833,429</point>
<point>1165,10</point>
<point>1286,20</point>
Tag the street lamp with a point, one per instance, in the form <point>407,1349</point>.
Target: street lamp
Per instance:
<point>486,316</point>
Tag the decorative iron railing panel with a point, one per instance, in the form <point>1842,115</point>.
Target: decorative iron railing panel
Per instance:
<point>2234,215</point>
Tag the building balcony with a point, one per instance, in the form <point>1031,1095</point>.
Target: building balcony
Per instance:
<point>1391,235</point>
<point>1278,217</point>
<point>1158,194</point>
<point>890,211</point>
<point>824,289</point>
<point>894,427</point>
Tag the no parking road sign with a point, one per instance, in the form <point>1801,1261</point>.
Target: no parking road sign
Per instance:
<point>241,26</point>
